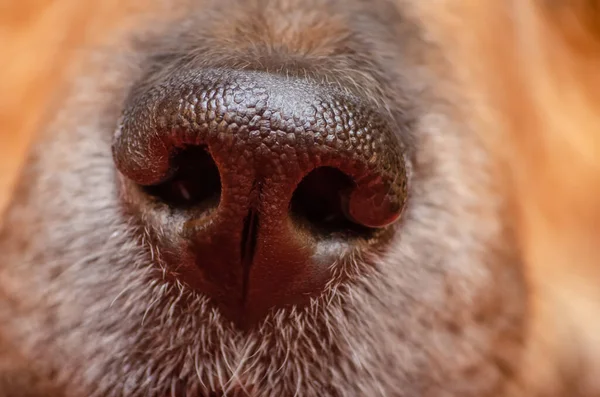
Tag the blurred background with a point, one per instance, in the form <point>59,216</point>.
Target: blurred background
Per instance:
<point>39,39</point>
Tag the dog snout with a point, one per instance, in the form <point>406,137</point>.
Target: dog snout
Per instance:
<point>257,182</point>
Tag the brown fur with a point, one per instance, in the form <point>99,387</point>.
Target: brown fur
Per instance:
<point>445,312</point>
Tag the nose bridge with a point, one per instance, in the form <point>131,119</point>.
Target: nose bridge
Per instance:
<point>261,133</point>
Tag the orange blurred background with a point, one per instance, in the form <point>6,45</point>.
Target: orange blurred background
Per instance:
<point>38,39</point>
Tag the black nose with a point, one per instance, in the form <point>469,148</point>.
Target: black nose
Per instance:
<point>254,185</point>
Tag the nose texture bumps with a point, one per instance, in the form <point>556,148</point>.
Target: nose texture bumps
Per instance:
<point>265,133</point>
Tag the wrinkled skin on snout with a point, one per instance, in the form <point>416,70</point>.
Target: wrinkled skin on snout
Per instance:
<point>110,286</point>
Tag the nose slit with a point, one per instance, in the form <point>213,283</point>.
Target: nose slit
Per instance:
<point>195,181</point>
<point>248,246</point>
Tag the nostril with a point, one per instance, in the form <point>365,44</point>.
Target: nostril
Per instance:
<point>195,182</point>
<point>320,203</point>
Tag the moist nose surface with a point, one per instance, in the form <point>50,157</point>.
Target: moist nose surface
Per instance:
<point>256,184</point>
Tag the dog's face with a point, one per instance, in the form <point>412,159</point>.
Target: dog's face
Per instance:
<point>264,198</point>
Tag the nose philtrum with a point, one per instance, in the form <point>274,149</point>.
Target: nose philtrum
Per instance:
<point>265,133</point>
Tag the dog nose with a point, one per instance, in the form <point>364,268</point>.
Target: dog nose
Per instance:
<point>254,185</point>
